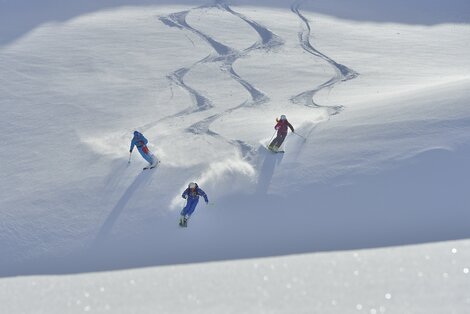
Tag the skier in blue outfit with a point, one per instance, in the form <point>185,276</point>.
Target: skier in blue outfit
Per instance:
<point>192,194</point>
<point>140,142</point>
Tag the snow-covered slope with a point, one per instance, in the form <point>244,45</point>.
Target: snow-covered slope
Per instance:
<point>431,278</point>
<point>382,98</point>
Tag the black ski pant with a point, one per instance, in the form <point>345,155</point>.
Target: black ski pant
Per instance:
<point>278,140</point>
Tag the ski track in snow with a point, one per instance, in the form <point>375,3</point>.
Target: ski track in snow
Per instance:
<point>342,72</point>
<point>226,56</point>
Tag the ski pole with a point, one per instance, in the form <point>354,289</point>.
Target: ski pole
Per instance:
<point>272,137</point>
<point>130,155</point>
<point>300,136</point>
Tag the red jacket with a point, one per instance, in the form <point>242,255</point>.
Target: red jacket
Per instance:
<point>282,125</point>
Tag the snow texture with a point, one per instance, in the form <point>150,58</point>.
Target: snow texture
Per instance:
<point>378,94</point>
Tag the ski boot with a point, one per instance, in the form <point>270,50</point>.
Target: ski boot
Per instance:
<point>273,148</point>
<point>184,221</point>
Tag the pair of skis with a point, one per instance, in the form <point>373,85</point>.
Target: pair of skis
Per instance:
<point>273,150</point>
<point>184,222</point>
<point>276,150</point>
<point>145,168</point>
<point>151,166</point>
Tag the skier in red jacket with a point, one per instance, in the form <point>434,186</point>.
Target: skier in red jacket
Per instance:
<point>281,127</point>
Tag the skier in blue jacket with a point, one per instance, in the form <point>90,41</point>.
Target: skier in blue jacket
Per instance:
<point>192,194</point>
<point>140,142</point>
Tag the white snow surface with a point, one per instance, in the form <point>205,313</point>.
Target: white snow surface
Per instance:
<point>416,279</point>
<point>380,91</point>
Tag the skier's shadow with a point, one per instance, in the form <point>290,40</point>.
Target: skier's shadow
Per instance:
<point>267,170</point>
<point>117,210</point>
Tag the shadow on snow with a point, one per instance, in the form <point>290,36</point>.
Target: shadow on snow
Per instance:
<point>18,17</point>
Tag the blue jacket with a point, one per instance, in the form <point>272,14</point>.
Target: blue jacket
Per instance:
<point>194,195</point>
<point>138,140</point>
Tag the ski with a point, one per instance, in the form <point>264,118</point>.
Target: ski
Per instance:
<point>183,222</point>
<point>274,151</point>
<point>152,166</point>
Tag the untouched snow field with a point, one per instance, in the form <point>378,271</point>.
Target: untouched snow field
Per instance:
<point>416,279</point>
<point>381,93</point>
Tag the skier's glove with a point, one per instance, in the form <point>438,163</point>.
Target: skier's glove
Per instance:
<point>184,196</point>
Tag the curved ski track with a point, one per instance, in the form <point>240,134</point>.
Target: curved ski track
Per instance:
<point>227,56</point>
<point>342,72</point>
